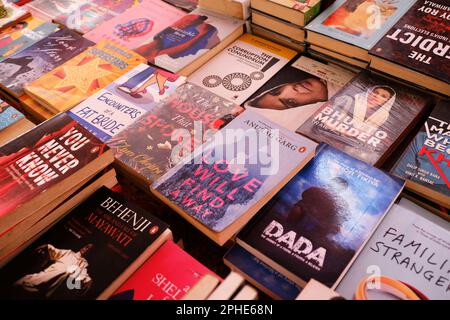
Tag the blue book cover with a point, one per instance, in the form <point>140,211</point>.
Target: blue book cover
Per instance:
<point>314,226</point>
<point>112,109</point>
<point>228,179</point>
<point>359,22</point>
<point>40,58</point>
<point>261,275</point>
<point>8,115</point>
<point>28,38</point>
<point>409,251</point>
<point>426,162</point>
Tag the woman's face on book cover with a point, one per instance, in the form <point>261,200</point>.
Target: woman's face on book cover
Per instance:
<point>292,95</point>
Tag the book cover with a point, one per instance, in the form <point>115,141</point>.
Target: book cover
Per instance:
<point>295,4</point>
<point>359,22</point>
<point>31,31</point>
<point>367,117</point>
<point>91,14</point>
<point>38,59</point>
<point>8,115</point>
<point>137,25</point>
<point>187,5</point>
<point>420,40</point>
<point>50,10</point>
<point>279,286</point>
<point>243,67</point>
<point>83,254</point>
<point>82,76</point>
<point>167,275</point>
<point>170,131</point>
<point>320,219</point>
<point>121,103</point>
<point>187,39</point>
<point>216,186</point>
<point>43,157</point>
<point>297,91</point>
<point>11,14</point>
<point>408,254</point>
<point>426,160</point>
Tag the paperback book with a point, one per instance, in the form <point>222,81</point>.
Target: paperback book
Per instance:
<point>219,190</point>
<point>121,103</point>
<point>167,275</point>
<point>315,225</point>
<point>242,68</point>
<point>38,59</point>
<point>407,257</point>
<point>360,23</point>
<point>23,34</point>
<point>416,48</point>
<point>11,15</point>
<point>189,38</point>
<point>425,163</point>
<point>136,25</point>
<point>297,91</point>
<point>44,163</point>
<point>368,117</point>
<point>78,78</point>
<point>163,136</point>
<point>88,254</point>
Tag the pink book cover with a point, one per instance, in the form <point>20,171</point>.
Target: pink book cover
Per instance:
<point>138,24</point>
<point>167,275</point>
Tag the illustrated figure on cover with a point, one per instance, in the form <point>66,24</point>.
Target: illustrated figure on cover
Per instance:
<point>186,37</point>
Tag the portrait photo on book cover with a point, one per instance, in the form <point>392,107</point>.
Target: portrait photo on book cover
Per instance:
<point>185,37</point>
<point>361,17</point>
<point>60,272</point>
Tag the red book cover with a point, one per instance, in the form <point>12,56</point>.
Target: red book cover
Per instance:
<point>167,275</point>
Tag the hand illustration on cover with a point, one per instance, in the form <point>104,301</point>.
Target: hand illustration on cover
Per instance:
<point>361,17</point>
<point>62,266</point>
<point>292,95</point>
<point>137,85</point>
<point>186,37</point>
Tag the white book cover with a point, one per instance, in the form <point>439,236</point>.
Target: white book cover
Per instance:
<point>121,103</point>
<point>242,68</point>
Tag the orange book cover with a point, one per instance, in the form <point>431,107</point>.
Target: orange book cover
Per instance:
<point>83,75</point>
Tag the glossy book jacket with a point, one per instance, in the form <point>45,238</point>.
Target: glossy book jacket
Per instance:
<point>38,59</point>
<point>367,117</point>
<point>360,23</point>
<point>84,75</point>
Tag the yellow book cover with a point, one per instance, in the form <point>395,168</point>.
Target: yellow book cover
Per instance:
<point>83,75</point>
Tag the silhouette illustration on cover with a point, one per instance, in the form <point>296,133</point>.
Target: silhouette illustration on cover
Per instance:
<point>185,37</point>
<point>60,268</point>
<point>134,28</point>
<point>361,17</point>
<point>137,85</point>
